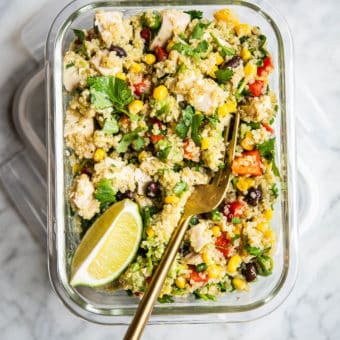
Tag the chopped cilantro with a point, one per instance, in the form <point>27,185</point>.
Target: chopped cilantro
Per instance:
<point>234,238</point>
<point>104,193</point>
<point>236,220</point>
<point>198,31</point>
<point>147,213</point>
<point>201,267</point>
<point>216,215</point>
<point>194,14</point>
<point>180,188</point>
<point>223,76</point>
<point>109,91</point>
<point>186,49</point>
<point>110,126</point>
<point>127,140</point>
<point>255,251</point>
<point>81,38</point>
<point>164,147</point>
<point>196,123</point>
<point>184,124</point>
<point>253,125</point>
<point>166,299</point>
<point>69,65</point>
<point>224,50</point>
<point>205,297</point>
<point>193,221</point>
<point>267,150</point>
<point>275,191</point>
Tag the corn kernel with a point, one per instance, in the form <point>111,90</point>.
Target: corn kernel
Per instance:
<point>240,284</point>
<point>150,59</point>
<point>99,155</point>
<point>268,214</point>
<point>227,108</point>
<point>227,16</point>
<point>136,68</point>
<point>214,271</point>
<point>219,59</point>
<point>269,235</point>
<point>205,144</point>
<point>243,30</point>
<point>234,263</point>
<point>216,231</point>
<point>121,76</point>
<point>250,69</point>
<point>245,183</point>
<point>248,142</point>
<point>160,92</point>
<point>245,54</point>
<point>170,45</point>
<point>212,71</point>
<point>142,156</point>
<point>150,232</point>
<point>135,106</point>
<point>262,226</point>
<point>180,282</point>
<point>75,168</point>
<point>206,257</point>
<point>171,199</point>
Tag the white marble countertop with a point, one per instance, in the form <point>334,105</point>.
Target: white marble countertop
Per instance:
<point>29,310</point>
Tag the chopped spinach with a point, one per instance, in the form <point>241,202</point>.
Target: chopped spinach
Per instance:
<point>194,14</point>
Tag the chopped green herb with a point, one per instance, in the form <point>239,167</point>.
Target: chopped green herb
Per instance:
<point>267,150</point>
<point>198,31</point>
<point>223,50</point>
<point>234,238</point>
<point>275,191</point>
<point>195,14</point>
<point>244,39</point>
<point>236,220</point>
<point>104,193</point>
<point>213,119</point>
<point>201,267</point>
<point>147,213</point>
<point>184,124</point>
<point>253,125</point>
<point>127,140</point>
<point>166,299</point>
<point>216,215</point>
<point>109,91</point>
<point>205,297</point>
<point>153,22</point>
<point>223,76</point>
<point>110,126</point>
<point>240,88</point>
<point>193,221</point>
<point>195,133</point>
<point>264,265</point>
<point>164,147</point>
<point>69,65</point>
<point>81,38</point>
<point>255,251</point>
<point>180,188</point>
<point>186,49</point>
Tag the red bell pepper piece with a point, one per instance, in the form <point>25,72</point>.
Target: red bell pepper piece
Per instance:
<point>233,209</point>
<point>156,138</point>
<point>198,277</point>
<point>268,127</point>
<point>161,53</point>
<point>247,164</point>
<point>266,68</point>
<point>256,88</point>
<point>223,244</point>
<point>139,88</point>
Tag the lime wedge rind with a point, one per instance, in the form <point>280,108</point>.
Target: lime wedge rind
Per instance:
<point>80,276</point>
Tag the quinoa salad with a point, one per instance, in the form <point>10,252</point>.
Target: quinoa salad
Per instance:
<point>149,99</point>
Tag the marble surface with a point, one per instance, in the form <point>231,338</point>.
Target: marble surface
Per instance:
<point>29,310</point>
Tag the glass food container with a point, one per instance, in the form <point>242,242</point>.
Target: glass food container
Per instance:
<point>116,307</point>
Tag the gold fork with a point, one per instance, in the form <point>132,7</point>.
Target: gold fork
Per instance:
<point>204,199</point>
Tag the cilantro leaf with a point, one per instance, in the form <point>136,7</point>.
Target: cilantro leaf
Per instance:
<point>224,50</point>
<point>275,191</point>
<point>253,125</point>
<point>223,76</point>
<point>267,150</point>
<point>166,299</point>
<point>180,188</point>
<point>236,220</point>
<point>186,49</point>
<point>80,41</point>
<point>127,140</point>
<point>255,251</point>
<point>195,14</point>
<point>205,297</point>
<point>183,126</point>
<point>164,147</point>
<point>104,193</point>
<point>69,65</point>
<point>147,213</point>
<point>195,126</point>
<point>198,31</point>
<point>109,91</point>
<point>138,143</point>
<point>110,126</point>
<point>202,47</point>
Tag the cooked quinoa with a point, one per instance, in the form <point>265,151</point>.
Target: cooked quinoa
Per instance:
<point>151,98</point>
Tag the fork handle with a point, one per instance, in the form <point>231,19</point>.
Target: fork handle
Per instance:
<point>148,301</point>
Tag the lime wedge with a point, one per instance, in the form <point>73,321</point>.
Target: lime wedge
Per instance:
<point>108,246</point>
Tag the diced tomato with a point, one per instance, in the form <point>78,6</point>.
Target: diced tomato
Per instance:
<point>256,88</point>
<point>156,138</point>
<point>247,164</point>
<point>145,33</point>
<point>223,244</point>
<point>267,67</point>
<point>156,121</point>
<point>140,88</point>
<point>233,209</point>
<point>198,277</point>
<point>268,127</point>
<point>161,53</point>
